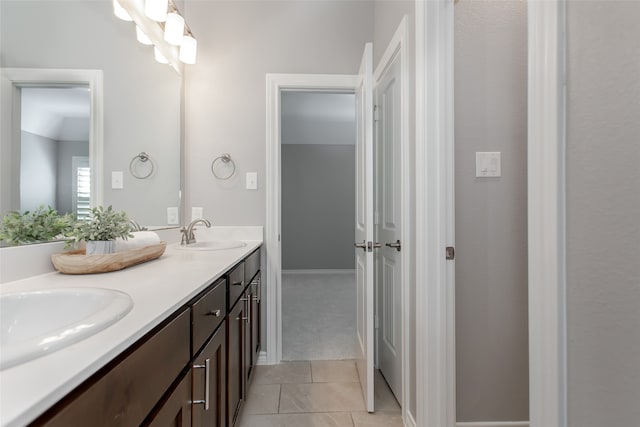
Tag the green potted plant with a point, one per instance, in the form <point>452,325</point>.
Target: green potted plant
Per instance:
<point>40,225</point>
<point>101,230</point>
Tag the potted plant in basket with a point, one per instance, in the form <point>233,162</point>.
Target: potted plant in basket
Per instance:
<point>40,225</point>
<point>101,230</point>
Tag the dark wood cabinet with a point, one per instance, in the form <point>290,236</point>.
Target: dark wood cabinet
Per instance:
<point>236,344</point>
<point>175,409</point>
<point>210,382</point>
<point>256,323</point>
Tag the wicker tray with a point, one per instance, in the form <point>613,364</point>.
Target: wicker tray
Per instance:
<point>76,262</point>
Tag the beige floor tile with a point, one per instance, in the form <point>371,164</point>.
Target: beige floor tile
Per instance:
<point>384,400</point>
<point>321,397</point>
<point>334,371</point>
<point>377,419</point>
<point>336,419</point>
<point>262,399</point>
<point>287,372</point>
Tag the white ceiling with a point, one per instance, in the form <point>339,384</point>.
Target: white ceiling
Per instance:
<point>318,118</point>
<point>59,113</point>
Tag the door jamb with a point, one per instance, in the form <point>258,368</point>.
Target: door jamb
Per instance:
<point>275,84</point>
<point>398,46</point>
<point>435,292</point>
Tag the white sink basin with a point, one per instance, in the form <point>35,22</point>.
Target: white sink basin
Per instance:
<point>36,323</point>
<point>214,245</point>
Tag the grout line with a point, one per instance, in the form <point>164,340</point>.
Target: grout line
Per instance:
<point>279,399</point>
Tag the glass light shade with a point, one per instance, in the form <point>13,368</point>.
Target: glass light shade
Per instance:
<point>156,9</point>
<point>142,37</point>
<point>188,49</point>
<point>159,56</point>
<point>120,12</point>
<point>174,28</point>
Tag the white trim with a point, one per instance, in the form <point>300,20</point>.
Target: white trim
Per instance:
<point>262,358</point>
<point>43,76</point>
<point>435,293</point>
<point>399,46</point>
<point>493,424</point>
<point>546,213</point>
<point>319,271</point>
<point>408,420</point>
<point>275,83</point>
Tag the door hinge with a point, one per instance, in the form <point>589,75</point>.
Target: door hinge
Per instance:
<point>376,321</point>
<point>376,218</point>
<point>375,113</point>
<point>450,252</point>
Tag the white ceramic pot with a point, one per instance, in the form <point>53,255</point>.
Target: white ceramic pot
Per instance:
<point>97,247</point>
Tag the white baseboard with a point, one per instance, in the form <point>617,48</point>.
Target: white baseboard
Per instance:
<point>319,271</point>
<point>262,358</point>
<point>493,424</point>
<point>408,420</point>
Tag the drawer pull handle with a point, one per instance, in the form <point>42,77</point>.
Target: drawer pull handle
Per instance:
<point>215,313</point>
<point>243,318</point>
<point>241,283</point>
<point>256,298</point>
<point>207,367</point>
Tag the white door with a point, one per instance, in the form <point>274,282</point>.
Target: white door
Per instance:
<point>364,224</point>
<point>388,226</point>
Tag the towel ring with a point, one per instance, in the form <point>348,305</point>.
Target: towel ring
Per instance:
<point>226,160</point>
<point>142,158</point>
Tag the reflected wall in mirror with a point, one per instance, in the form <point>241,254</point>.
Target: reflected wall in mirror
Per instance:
<point>142,99</point>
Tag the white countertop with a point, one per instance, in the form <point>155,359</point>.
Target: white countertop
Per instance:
<point>158,288</point>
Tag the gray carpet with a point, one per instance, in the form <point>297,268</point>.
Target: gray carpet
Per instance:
<point>319,316</point>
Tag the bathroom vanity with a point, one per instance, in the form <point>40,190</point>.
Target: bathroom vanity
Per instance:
<point>186,362</point>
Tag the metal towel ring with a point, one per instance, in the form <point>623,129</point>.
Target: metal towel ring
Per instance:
<point>142,158</point>
<point>226,160</point>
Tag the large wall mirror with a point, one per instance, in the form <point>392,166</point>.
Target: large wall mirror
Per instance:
<point>140,112</point>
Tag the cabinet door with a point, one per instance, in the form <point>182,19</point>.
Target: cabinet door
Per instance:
<point>175,411</point>
<point>210,383</point>
<point>236,333</point>
<point>256,313</point>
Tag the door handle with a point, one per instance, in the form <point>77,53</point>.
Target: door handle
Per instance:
<point>207,384</point>
<point>395,245</point>
<point>362,245</point>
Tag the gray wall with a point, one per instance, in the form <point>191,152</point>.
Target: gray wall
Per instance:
<point>491,213</point>
<point>142,98</point>
<point>38,171</point>
<point>66,151</point>
<point>238,43</point>
<point>603,213</point>
<point>318,206</point>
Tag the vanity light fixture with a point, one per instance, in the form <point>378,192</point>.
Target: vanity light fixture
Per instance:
<point>159,23</point>
<point>188,49</point>
<point>156,9</point>
<point>174,28</point>
<point>142,37</point>
<point>120,12</point>
<point>159,56</point>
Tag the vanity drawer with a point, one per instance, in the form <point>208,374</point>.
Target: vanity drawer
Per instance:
<point>252,265</point>
<point>207,313</point>
<point>236,283</point>
<point>129,389</point>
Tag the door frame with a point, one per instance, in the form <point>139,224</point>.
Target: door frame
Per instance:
<point>30,77</point>
<point>398,46</point>
<point>275,84</point>
<point>546,162</point>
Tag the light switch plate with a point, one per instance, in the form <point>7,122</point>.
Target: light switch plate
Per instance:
<point>488,164</point>
<point>252,180</point>
<point>172,216</point>
<point>117,180</point>
<point>196,213</point>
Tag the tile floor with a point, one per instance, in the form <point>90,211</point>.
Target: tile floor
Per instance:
<point>317,393</point>
<point>318,315</point>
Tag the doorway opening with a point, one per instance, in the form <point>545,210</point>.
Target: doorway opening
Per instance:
<point>318,135</point>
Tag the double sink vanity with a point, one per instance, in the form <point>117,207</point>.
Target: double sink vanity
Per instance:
<point>174,340</point>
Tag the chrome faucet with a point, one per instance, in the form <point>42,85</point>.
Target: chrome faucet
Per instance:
<point>187,232</point>
<point>135,226</point>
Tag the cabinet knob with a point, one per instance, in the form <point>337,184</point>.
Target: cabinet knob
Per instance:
<point>215,313</point>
